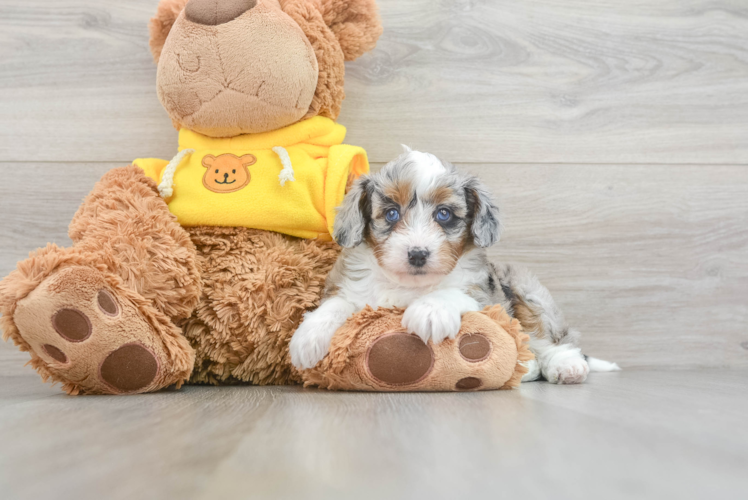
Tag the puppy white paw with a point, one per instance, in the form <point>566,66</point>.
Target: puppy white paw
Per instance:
<point>566,368</point>
<point>432,319</point>
<point>533,371</point>
<point>310,343</point>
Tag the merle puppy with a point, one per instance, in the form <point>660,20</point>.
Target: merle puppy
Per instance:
<point>414,235</point>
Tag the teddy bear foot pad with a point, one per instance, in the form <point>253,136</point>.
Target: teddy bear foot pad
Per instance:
<point>90,336</point>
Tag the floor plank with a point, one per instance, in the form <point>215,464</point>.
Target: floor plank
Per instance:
<point>622,435</point>
<point>553,81</point>
<point>649,262</point>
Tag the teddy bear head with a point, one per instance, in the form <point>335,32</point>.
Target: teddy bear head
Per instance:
<point>231,67</point>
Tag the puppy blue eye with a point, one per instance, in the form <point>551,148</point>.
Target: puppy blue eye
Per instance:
<point>392,215</point>
<point>443,215</point>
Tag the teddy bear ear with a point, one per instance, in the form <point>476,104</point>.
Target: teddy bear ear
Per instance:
<point>338,30</point>
<point>329,94</point>
<point>248,160</point>
<point>208,161</point>
<point>355,23</point>
<point>160,25</point>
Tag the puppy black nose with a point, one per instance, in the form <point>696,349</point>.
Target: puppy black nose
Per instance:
<point>215,12</point>
<point>418,256</point>
<point>225,176</point>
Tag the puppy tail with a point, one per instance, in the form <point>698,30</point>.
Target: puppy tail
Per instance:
<point>599,365</point>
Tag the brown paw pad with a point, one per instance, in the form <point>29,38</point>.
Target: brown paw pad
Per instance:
<point>55,353</point>
<point>468,383</point>
<point>107,303</point>
<point>72,325</point>
<point>130,368</point>
<point>475,348</point>
<point>399,359</point>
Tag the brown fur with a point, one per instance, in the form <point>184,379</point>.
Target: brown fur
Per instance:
<point>129,228</point>
<point>355,23</point>
<point>400,192</point>
<point>205,84</point>
<point>449,254</point>
<point>43,265</point>
<point>376,246</point>
<point>134,321</point>
<point>344,368</point>
<point>329,95</point>
<point>441,195</point>
<point>160,26</point>
<point>338,31</point>
<point>530,318</point>
<point>256,287</point>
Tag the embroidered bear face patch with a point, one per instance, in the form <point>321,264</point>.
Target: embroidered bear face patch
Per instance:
<point>227,173</point>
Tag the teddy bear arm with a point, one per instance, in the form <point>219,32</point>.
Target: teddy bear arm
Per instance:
<point>128,226</point>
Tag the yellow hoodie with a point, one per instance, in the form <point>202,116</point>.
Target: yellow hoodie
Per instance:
<point>289,180</point>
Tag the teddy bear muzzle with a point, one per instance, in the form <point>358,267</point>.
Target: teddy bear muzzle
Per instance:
<point>215,12</point>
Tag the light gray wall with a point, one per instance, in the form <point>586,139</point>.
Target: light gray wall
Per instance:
<point>615,135</point>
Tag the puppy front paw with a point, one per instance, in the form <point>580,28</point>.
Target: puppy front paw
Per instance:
<point>310,343</point>
<point>432,319</point>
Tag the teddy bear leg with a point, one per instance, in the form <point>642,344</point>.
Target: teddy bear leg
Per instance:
<point>83,328</point>
<point>98,317</point>
<point>372,352</point>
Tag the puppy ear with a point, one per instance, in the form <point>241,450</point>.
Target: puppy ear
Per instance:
<point>353,215</point>
<point>355,23</point>
<point>208,161</point>
<point>485,225</point>
<point>160,25</point>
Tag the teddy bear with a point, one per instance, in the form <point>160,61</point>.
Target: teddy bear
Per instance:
<point>200,268</point>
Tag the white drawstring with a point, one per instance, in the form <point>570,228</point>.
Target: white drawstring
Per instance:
<point>287,172</point>
<point>166,188</point>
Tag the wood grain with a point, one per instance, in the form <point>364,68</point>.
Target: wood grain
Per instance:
<point>650,262</point>
<point>635,434</point>
<point>552,81</point>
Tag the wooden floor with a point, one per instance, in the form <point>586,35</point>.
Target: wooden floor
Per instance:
<point>615,137</point>
<point>641,434</point>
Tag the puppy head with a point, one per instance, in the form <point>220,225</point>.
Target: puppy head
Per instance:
<point>419,214</point>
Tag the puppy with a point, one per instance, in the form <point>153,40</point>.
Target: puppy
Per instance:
<point>414,236</point>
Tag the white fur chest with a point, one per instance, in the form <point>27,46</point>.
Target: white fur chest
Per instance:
<point>366,283</point>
